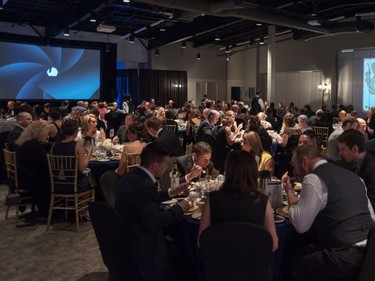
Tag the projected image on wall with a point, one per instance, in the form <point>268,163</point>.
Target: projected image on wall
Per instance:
<point>32,72</point>
<point>368,83</point>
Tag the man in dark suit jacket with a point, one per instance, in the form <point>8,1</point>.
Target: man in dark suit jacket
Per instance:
<point>197,164</point>
<point>138,201</point>
<point>24,119</point>
<point>207,126</point>
<point>165,137</point>
<point>353,150</point>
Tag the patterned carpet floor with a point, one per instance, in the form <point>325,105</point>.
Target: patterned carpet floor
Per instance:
<point>62,254</point>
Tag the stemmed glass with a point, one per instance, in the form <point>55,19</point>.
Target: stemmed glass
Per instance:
<point>194,196</point>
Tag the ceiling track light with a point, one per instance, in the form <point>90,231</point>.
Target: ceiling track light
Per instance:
<point>157,52</point>
<point>198,56</point>
<point>162,27</point>
<point>126,1</point>
<point>183,44</point>
<point>66,32</point>
<point>92,17</point>
<point>227,50</point>
<point>261,40</point>
<point>217,36</point>
<point>131,39</point>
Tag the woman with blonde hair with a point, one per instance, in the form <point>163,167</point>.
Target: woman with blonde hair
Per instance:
<point>89,123</point>
<point>251,142</point>
<point>33,166</point>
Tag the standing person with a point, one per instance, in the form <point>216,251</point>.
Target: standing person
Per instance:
<point>23,120</point>
<point>138,201</point>
<point>32,165</point>
<point>257,104</point>
<point>335,213</point>
<point>238,199</point>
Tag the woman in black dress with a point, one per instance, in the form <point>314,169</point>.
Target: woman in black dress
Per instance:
<point>239,199</point>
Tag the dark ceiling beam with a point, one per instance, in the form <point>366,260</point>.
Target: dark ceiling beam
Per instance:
<point>201,26</point>
<point>71,15</point>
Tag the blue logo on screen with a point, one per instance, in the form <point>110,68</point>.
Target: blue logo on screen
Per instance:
<point>52,72</point>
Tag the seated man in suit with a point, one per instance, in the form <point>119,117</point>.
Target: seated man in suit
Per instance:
<point>24,119</point>
<point>165,137</point>
<point>353,150</point>
<point>197,164</point>
<point>138,202</point>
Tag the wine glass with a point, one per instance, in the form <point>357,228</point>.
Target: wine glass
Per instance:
<point>194,197</point>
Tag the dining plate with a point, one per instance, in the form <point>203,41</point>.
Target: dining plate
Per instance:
<point>196,216</point>
<point>278,219</point>
<point>297,186</point>
<point>284,211</point>
<point>104,160</point>
<point>192,210</point>
<point>168,202</point>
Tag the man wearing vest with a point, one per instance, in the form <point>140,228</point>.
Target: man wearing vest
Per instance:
<point>333,211</point>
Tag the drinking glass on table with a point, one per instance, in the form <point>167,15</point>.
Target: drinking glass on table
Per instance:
<point>194,197</point>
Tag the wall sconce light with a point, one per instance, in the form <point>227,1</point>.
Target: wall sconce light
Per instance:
<point>131,39</point>
<point>157,52</point>
<point>323,88</point>
<point>183,44</point>
<point>198,56</point>
<point>66,32</point>
<point>228,58</point>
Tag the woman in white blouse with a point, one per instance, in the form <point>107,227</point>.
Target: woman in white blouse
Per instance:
<point>89,129</point>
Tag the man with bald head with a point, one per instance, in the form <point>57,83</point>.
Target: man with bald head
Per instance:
<point>24,119</point>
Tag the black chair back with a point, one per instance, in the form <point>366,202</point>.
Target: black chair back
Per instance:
<point>108,184</point>
<point>236,251</point>
<point>368,270</point>
<point>113,242</point>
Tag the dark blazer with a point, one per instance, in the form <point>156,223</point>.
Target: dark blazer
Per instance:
<point>367,173</point>
<point>170,140</point>
<point>121,133</point>
<point>205,128</point>
<point>185,164</point>
<point>138,203</point>
<point>13,136</point>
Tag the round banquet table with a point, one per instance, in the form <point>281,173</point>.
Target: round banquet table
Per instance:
<point>97,169</point>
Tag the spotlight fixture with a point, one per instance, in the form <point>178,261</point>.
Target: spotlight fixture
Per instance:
<point>92,17</point>
<point>126,1</point>
<point>258,24</point>
<point>162,27</point>
<point>131,39</point>
<point>261,41</point>
<point>66,32</point>
<point>217,36</point>
<point>198,56</point>
<point>227,50</point>
<point>157,52</point>
<point>183,44</point>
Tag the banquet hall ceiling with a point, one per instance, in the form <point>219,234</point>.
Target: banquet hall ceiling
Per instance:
<point>199,22</point>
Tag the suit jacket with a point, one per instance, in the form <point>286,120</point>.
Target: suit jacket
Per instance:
<point>13,136</point>
<point>121,133</point>
<point>170,140</point>
<point>205,128</point>
<point>185,164</point>
<point>138,203</point>
<point>367,173</point>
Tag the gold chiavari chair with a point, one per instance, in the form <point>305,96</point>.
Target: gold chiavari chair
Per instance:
<point>132,160</point>
<point>65,194</point>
